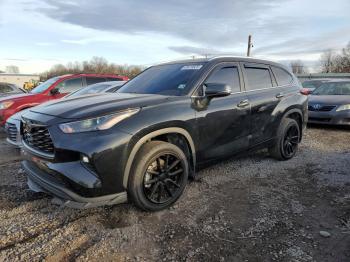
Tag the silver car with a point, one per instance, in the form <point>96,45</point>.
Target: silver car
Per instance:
<point>330,103</point>
<point>13,123</point>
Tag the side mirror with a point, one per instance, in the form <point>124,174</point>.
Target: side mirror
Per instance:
<point>217,90</point>
<point>54,91</point>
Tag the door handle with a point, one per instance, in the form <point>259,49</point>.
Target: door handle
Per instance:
<point>243,103</point>
<point>279,95</point>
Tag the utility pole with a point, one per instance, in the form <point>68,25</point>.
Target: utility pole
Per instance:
<point>250,45</point>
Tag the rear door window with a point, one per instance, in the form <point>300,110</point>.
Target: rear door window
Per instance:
<point>282,76</point>
<point>226,75</point>
<point>70,85</point>
<point>258,78</point>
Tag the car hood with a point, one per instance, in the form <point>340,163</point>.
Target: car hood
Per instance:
<point>97,105</point>
<point>15,97</point>
<point>330,99</point>
<point>18,115</point>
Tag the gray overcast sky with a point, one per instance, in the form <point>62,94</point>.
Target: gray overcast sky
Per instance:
<point>37,34</point>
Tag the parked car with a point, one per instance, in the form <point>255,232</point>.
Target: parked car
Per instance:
<point>108,87</point>
<point>54,88</point>
<point>330,103</point>
<point>13,123</point>
<point>7,89</point>
<point>143,142</point>
<point>311,85</point>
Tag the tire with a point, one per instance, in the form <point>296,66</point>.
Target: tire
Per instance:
<point>286,144</point>
<point>152,158</point>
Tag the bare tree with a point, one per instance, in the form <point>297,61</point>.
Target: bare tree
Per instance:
<point>97,65</point>
<point>327,61</point>
<point>298,67</point>
<point>12,69</point>
<point>332,62</point>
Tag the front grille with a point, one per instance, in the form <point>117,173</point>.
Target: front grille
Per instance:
<point>37,137</point>
<point>11,131</point>
<point>322,108</point>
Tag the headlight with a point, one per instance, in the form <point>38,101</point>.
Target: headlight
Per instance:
<point>6,104</point>
<point>98,123</point>
<point>343,107</point>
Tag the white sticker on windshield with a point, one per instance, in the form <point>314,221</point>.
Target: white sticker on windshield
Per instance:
<point>191,67</point>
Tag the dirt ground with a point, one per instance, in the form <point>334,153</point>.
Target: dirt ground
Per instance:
<point>249,208</point>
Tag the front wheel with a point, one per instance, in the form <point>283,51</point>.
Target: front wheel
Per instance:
<point>288,137</point>
<point>159,176</point>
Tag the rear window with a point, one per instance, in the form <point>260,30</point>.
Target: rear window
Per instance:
<point>258,78</point>
<point>282,76</point>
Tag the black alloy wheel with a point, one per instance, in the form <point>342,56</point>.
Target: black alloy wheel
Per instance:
<point>159,175</point>
<point>285,145</point>
<point>163,178</point>
<point>291,140</point>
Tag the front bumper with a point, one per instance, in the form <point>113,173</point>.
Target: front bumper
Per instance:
<point>329,118</point>
<point>13,133</point>
<point>40,181</point>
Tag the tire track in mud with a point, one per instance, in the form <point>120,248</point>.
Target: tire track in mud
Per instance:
<point>24,235</point>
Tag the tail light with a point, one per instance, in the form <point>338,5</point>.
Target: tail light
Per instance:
<point>305,91</point>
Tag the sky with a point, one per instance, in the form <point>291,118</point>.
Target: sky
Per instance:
<point>36,34</point>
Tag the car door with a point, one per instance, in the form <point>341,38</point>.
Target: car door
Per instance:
<point>68,86</point>
<point>223,123</point>
<point>263,95</point>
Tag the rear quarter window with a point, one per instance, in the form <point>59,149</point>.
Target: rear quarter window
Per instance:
<point>282,76</point>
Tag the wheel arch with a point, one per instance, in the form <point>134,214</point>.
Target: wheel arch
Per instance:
<point>161,133</point>
<point>297,115</point>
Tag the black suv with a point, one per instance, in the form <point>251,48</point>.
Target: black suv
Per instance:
<point>146,140</point>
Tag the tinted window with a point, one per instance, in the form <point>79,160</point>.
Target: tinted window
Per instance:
<point>168,79</point>
<point>113,79</point>
<point>283,77</point>
<point>226,75</point>
<point>93,80</point>
<point>5,88</point>
<point>69,85</point>
<point>258,78</point>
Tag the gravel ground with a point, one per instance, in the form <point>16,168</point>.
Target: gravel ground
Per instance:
<point>248,208</point>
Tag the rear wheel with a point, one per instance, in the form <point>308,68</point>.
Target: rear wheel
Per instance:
<point>288,137</point>
<point>159,176</point>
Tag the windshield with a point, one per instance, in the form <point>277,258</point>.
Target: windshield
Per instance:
<point>42,87</point>
<point>312,84</point>
<point>93,89</point>
<point>335,88</point>
<point>169,79</point>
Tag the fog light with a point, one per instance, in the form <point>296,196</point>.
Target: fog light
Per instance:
<point>85,159</point>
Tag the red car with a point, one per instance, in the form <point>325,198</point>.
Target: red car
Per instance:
<point>53,88</point>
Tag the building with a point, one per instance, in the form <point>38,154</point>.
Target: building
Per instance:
<point>18,79</point>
